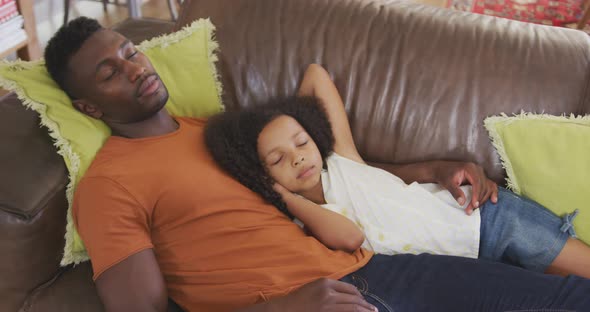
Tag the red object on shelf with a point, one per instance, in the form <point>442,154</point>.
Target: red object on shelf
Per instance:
<point>564,13</point>
<point>8,10</point>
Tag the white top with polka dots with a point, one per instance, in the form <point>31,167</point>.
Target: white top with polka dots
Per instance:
<point>397,217</point>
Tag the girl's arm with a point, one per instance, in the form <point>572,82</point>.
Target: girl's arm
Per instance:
<point>317,83</point>
<point>332,229</point>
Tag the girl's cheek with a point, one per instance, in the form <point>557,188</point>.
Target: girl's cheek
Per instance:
<point>274,175</point>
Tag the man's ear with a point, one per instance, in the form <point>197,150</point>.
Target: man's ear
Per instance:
<point>87,108</point>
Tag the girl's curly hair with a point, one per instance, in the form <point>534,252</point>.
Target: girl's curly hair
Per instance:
<point>232,139</point>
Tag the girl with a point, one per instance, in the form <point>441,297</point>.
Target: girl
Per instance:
<point>298,153</point>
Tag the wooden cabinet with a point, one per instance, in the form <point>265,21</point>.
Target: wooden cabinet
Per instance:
<point>28,49</point>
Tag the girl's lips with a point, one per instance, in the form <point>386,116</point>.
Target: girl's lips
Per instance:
<point>306,173</point>
<point>149,86</point>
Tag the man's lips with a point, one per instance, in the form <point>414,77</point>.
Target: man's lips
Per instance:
<point>148,86</point>
<point>306,172</point>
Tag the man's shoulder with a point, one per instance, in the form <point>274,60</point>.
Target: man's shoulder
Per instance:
<point>111,156</point>
<point>116,162</point>
<point>143,161</point>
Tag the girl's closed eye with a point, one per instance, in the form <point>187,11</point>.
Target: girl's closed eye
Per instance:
<point>275,161</point>
<point>301,139</point>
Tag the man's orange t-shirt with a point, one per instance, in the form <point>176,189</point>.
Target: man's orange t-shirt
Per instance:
<point>218,244</point>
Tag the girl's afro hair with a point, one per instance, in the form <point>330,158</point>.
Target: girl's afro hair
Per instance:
<point>232,139</point>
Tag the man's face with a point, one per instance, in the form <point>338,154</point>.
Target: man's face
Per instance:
<point>113,81</point>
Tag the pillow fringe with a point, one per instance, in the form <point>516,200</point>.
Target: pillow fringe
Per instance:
<point>212,47</point>
<point>490,124</point>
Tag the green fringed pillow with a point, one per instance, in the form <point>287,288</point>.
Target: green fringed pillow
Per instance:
<point>547,159</point>
<point>185,61</point>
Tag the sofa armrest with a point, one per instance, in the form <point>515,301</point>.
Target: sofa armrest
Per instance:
<point>417,81</point>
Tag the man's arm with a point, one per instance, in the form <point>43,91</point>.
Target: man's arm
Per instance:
<point>134,284</point>
<point>451,175</point>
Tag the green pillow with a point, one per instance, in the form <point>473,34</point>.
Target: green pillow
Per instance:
<point>185,61</point>
<point>547,159</point>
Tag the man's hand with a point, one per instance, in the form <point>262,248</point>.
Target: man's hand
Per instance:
<point>326,295</point>
<point>452,175</point>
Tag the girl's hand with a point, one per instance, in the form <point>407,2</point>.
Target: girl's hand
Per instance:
<point>281,190</point>
<point>332,229</point>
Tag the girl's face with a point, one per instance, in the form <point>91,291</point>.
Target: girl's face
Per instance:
<point>290,155</point>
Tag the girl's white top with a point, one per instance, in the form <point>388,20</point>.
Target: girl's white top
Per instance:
<point>400,218</point>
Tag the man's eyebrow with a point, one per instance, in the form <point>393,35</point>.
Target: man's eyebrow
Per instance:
<point>121,46</point>
<point>272,150</point>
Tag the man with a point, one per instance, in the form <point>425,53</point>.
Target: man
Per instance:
<point>160,219</point>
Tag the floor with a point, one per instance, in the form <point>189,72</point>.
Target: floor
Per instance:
<point>49,14</point>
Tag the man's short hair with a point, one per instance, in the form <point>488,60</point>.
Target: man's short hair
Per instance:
<point>67,41</point>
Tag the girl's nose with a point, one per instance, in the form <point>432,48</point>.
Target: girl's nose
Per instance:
<point>298,160</point>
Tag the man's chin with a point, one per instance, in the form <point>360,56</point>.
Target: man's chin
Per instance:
<point>163,99</point>
<point>150,113</point>
<point>160,102</point>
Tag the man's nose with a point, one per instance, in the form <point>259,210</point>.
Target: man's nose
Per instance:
<point>133,70</point>
<point>298,160</point>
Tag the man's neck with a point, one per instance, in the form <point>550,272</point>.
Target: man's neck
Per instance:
<point>159,124</point>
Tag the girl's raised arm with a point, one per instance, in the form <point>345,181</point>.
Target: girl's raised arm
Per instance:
<point>317,83</point>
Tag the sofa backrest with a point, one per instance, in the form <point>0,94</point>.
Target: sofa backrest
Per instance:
<point>417,81</point>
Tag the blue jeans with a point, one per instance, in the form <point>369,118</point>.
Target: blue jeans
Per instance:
<point>521,232</point>
<point>420,283</point>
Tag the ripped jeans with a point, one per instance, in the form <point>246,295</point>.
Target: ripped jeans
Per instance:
<point>514,231</point>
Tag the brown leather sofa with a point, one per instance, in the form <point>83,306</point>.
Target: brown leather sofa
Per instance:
<point>417,82</point>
